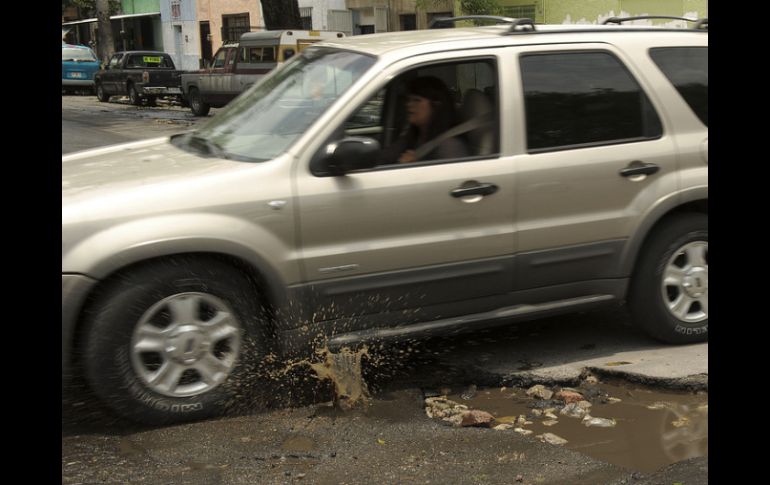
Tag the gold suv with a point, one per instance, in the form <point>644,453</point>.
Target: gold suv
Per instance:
<point>388,187</point>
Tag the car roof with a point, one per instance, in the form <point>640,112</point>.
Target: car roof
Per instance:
<point>74,46</point>
<point>432,40</point>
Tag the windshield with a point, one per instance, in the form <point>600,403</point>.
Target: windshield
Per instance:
<point>264,121</point>
<point>77,55</point>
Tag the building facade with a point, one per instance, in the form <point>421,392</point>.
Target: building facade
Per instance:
<point>220,21</point>
<point>136,27</point>
<point>371,16</point>
<point>319,14</point>
<point>597,11</point>
<point>180,32</point>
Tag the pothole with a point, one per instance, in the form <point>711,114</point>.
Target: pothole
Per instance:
<point>633,427</point>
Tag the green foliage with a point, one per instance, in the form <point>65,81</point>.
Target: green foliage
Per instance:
<point>480,7</point>
<point>468,7</point>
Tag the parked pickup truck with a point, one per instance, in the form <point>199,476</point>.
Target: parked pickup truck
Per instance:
<point>237,66</point>
<point>143,76</point>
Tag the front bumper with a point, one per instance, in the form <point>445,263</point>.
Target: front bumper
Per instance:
<point>161,90</point>
<point>74,290</point>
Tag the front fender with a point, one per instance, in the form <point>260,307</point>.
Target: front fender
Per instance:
<point>107,251</point>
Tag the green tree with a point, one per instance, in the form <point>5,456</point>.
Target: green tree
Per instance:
<point>469,7</point>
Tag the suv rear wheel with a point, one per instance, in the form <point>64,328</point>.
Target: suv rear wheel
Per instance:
<point>174,341</point>
<point>669,291</point>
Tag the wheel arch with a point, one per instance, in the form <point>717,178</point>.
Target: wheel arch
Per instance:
<point>695,200</point>
<point>263,282</point>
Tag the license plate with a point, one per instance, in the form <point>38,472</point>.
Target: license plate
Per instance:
<point>78,75</point>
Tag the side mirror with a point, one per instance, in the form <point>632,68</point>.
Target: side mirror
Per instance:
<point>348,154</point>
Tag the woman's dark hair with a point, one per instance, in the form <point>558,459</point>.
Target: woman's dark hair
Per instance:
<point>443,114</point>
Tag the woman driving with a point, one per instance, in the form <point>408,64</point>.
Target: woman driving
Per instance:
<point>430,112</point>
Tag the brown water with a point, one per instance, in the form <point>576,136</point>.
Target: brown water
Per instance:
<point>343,369</point>
<point>653,428</point>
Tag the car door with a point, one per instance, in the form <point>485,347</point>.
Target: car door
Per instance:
<point>222,76</point>
<point>208,81</point>
<point>111,75</point>
<point>594,155</point>
<point>395,241</point>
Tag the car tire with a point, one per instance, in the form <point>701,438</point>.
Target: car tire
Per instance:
<point>197,106</point>
<point>133,96</point>
<point>100,94</point>
<point>668,297</point>
<point>175,341</point>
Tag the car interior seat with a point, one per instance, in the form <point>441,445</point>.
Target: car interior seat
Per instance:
<point>477,106</point>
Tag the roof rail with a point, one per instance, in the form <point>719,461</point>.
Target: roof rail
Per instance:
<point>519,24</point>
<point>702,24</point>
<point>620,20</point>
<point>441,22</point>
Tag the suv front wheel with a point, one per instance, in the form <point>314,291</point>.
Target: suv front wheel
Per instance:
<point>174,341</point>
<point>668,297</point>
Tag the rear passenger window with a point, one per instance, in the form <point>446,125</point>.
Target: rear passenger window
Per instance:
<point>688,70</point>
<point>583,99</point>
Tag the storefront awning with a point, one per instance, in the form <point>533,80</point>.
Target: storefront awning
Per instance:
<point>114,17</point>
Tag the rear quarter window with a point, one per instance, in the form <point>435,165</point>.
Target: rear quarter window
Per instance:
<point>687,68</point>
<point>585,98</point>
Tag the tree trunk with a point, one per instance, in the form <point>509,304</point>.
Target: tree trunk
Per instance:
<point>105,46</point>
<point>281,14</point>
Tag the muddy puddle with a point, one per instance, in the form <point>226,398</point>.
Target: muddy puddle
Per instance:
<point>640,429</point>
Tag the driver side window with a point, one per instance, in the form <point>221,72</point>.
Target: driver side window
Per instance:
<point>436,113</point>
<point>219,60</point>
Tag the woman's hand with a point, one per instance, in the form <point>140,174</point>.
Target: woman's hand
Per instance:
<point>407,157</point>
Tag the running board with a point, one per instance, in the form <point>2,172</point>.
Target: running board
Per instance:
<point>455,325</point>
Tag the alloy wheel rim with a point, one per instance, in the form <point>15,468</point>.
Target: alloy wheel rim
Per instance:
<point>685,283</point>
<point>186,344</point>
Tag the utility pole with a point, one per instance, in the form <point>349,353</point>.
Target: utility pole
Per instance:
<point>105,45</point>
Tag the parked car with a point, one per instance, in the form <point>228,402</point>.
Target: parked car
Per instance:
<point>78,66</point>
<point>275,228</point>
<point>237,66</point>
<point>143,76</point>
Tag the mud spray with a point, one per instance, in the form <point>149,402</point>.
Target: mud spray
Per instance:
<point>343,369</point>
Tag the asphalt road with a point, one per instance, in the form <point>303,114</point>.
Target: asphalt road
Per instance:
<point>87,123</point>
<point>301,439</point>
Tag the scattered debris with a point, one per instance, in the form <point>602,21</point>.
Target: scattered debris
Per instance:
<point>569,396</point>
<point>576,409</point>
<point>540,392</point>
<point>552,439</point>
<point>589,421</point>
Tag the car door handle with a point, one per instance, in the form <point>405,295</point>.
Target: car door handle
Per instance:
<point>475,189</point>
<point>639,168</point>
